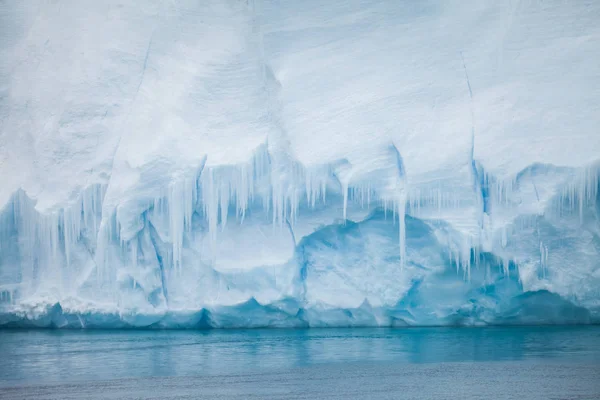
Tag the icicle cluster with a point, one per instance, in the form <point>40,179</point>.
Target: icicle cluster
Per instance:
<point>212,195</point>
<point>46,242</point>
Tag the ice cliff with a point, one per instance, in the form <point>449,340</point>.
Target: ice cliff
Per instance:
<point>228,163</point>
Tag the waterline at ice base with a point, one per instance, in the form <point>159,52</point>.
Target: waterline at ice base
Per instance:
<point>354,163</point>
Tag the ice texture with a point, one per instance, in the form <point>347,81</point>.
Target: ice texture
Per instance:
<point>226,163</point>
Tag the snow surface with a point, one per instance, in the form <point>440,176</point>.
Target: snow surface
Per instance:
<point>277,163</point>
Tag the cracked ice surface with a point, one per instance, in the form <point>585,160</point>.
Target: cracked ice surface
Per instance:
<point>278,163</point>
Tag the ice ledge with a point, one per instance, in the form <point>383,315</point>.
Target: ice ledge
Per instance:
<point>539,307</point>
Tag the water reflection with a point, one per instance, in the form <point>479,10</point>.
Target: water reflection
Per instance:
<point>37,356</point>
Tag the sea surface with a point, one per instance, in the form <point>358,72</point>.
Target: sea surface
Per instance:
<point>406,363</point>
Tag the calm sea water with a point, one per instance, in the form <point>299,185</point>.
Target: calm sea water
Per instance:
<point>431,363</point>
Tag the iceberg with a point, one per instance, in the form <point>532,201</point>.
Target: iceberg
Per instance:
<point>299,164</point>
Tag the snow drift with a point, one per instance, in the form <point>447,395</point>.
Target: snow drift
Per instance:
<point>347,163</point>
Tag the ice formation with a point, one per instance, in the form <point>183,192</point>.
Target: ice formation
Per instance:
<point>178,164</point>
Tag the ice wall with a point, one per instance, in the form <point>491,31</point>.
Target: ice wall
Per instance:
<point>226,163</point>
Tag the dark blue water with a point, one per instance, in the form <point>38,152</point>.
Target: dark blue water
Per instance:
<point>515,362</point>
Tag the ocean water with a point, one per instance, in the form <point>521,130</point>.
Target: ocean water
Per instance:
<point>422,363</point>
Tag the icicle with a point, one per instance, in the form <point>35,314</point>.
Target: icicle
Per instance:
<point>384,210</point>
<point>345,194</point>
<point>543,258</point>
<point>466,258</point>
<point>308,188</point>
<point>294,207</point>
<point>402,227</point>
<point>506,266</point>
<point>210,203</point>
<point>180,211</point>
<point>133,246</point>
<point>224,203</point>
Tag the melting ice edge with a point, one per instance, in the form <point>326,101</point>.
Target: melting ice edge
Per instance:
<point>239,246</point>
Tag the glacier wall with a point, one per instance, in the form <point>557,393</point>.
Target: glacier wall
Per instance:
<point>179,164</point>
